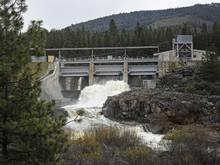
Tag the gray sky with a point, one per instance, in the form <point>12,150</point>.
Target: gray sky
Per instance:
<point>61,13</point>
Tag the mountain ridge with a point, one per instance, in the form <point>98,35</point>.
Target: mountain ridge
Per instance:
<point>200,13</point>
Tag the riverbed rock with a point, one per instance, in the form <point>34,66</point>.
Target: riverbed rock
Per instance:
<point>160,110</point>
<point>154,128</point>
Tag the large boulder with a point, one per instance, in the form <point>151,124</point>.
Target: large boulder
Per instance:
<point>161,110</point>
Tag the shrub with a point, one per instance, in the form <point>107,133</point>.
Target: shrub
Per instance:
<point>217,88</point>
<point>115,136</point>
<point>172,135</point>
<point>172,66</point>
<point>138,155</point>
<point>192,145</point>
<point>190,88</point>
<point>210,67</point>
<point>85,150</point>
<point>107,145</point>
<point>81,112</point>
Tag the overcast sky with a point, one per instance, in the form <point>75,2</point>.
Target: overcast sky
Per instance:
<point>61,13</point>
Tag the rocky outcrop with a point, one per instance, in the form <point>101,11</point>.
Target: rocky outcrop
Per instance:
<point>160,110</point>
<point>188,80</point>
<point>177,80</point>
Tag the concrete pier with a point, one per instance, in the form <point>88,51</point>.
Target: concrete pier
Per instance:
<point>125,72</point>
<point>91,73</point>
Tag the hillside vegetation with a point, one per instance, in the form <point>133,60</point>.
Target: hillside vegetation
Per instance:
<point>204,36</point>
<point>196,15</point>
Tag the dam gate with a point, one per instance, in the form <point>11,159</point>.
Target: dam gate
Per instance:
<point>81,67</point>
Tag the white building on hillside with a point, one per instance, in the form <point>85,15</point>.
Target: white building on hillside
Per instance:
<point>183,53</point>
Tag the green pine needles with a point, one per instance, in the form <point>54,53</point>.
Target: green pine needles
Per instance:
<point>29,131</point>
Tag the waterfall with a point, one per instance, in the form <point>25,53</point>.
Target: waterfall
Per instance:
<point>96,95</point>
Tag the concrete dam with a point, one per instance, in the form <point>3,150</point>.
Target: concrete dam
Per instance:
<point>79,71</point>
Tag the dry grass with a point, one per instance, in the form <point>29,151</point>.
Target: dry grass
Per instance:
<point>112,136</point>
<point>192,145</point>
<point>107,145</point>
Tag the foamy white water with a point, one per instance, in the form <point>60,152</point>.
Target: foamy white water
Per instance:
<point>91,101</point>
<point>96,95</point>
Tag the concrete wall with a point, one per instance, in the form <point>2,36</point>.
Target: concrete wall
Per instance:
<point>142,81</point>
<point>103,79</point>
<point>39,59</point>
<point>198,55</point>
<point>73,83</point>
<point>50,87</point>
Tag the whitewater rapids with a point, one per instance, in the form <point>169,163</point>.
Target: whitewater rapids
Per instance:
<point>91,101</point>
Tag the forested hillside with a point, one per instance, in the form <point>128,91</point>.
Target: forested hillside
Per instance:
<point>195,15</point>
<point>140,36</point>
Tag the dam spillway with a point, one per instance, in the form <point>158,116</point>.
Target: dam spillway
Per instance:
<point>122,68</point>
<point>78,71</point>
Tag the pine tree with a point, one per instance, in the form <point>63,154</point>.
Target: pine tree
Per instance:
<point>124,38</point>
<point>210,67</point>
<point>29,132</point>
<point>113,27</point>
<point>216,35</point>
<point>37,37</point>
<point>138,34</point>
<point>112,35</point>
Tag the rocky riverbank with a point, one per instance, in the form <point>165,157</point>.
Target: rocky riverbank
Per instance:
<point>161,111</point>
<point>166,107</point>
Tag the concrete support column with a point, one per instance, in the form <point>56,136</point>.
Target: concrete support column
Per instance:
<point>91,73</point>
<point>177,50</point>
<point>192,51</point>
<point>125,73</point>
<point>68,83</point>
<point>160,68</point>
<point>60,55</point>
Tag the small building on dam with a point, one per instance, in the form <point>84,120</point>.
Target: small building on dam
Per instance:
<point>137,66</point>
<point>182,54</point>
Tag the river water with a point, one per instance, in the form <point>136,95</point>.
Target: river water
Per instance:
<point>91,101</point>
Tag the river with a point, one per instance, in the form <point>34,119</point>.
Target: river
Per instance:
<point>91,101</point>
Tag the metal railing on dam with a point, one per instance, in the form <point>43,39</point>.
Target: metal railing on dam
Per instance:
<point>108,60</point>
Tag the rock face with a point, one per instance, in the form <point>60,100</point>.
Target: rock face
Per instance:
<point>188,80</point>
<point>177,80</point>
<point>160,110</point>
